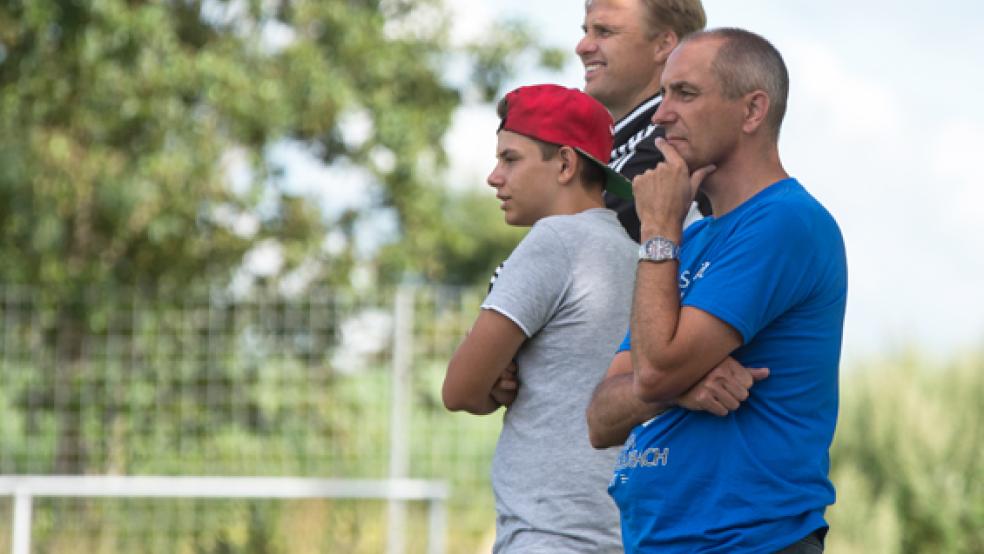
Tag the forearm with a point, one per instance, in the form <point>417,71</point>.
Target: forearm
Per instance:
<point>672,348</point>
<point>615,410</point>
<point>477,405</point>
<point>661,372</point>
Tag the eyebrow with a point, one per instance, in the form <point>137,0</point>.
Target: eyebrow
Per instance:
<point>677,86</point>
<point>595,25</point>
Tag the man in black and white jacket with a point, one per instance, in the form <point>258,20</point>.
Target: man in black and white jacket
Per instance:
<point>624,49</point>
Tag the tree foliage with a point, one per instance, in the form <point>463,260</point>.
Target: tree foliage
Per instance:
<point>122,124</point>
<point>136,139</point>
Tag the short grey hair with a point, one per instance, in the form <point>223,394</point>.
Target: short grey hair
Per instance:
<point>747,62</point>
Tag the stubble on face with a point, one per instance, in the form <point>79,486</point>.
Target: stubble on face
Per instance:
<point>700,122</point>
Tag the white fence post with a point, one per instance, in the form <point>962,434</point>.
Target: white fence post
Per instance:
<point>399,462</point>
<point>437,526</point>
<point>21,535</point>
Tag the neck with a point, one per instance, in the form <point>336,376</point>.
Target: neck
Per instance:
<point>737,180</point>
<point>620,111</point>
<point>578,200</point>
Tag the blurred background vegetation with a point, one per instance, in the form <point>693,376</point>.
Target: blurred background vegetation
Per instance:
<point>173,304</point>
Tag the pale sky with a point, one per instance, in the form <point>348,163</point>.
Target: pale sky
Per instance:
<point>885,127</point>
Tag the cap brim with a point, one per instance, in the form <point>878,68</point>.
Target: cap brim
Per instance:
<point>614,182</point>
<point>618,185</point>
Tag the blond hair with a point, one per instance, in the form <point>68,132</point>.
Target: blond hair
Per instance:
<point>683,17</point>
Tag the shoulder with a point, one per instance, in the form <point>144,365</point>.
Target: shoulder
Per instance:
<point>788,205</point>
<point>545,239</point>
<point>600,218</point>
<point>549,229</point>
<point>589,238</point>
<point>788,223</point>
<point>596,223</point>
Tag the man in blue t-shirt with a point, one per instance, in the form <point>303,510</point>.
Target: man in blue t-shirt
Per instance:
<point>763,282</point>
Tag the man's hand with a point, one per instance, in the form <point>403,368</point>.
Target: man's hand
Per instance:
<point>723,389</point>
<point>663,195</point>
<point>506,386</point>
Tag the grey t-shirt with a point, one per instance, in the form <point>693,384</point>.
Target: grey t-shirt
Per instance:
<point>568,286</point>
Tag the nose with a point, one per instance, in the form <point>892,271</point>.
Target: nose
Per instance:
<point>663,114</point>
<point>584,46</point>
<point>495,179</point>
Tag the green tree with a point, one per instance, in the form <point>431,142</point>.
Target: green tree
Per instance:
<point>123,124</point>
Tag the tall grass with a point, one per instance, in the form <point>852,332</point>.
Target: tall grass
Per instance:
<point>908,457</point>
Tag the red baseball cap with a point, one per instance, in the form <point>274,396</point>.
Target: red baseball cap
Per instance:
<point>566,117</point>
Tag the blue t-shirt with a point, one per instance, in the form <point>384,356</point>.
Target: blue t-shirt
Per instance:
<point>756,480</point>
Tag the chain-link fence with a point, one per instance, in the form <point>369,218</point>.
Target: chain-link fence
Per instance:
<point>214,383</point>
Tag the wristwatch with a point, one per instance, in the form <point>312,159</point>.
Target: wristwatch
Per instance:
<point>659,249</point>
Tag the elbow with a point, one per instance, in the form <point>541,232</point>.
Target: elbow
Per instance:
<point>456,399</point>
<point>594,436</point>
<point>599,440</point>
<point>601,436</point>
<point>452,402</point>
<point>453,390</point>
<point>654,384</point>
<point>457,404</point>
<point>469,406</point>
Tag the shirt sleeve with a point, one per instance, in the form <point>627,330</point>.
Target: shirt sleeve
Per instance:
<point>765,267</point>
<point>533,280</point>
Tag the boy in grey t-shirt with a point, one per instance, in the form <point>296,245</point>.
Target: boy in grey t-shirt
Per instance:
<point>549,326</point>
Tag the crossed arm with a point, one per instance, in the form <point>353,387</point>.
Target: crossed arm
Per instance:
<point>615,409</point>
<point>481,375</point>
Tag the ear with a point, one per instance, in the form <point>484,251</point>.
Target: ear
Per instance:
<point>568,165</point>
<point>756,109</point>
<point>663,45</point>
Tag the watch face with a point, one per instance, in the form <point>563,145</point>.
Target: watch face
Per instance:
<point>658,249</point>
<point>663,249</point>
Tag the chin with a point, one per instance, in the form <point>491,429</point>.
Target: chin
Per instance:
<point>595,89</point>
<point>693,162</point>
<point>517,221</point>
